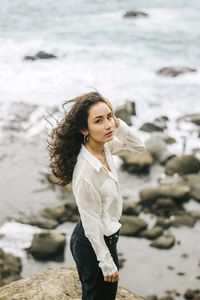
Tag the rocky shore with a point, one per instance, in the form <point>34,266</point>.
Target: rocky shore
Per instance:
<point>163,185</point>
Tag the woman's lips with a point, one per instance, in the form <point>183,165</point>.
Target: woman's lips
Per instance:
<point>109,133</point>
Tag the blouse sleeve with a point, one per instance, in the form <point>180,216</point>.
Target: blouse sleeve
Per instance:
<point>89,206</point>
<point>125,140</point>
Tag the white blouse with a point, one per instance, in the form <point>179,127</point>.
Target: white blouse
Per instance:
<point>97,193</point>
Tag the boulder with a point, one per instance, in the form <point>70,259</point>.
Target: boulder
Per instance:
<point>61,213</point>
<point>183,220</point>
<point>132,225</point>
<point>194,118</point>
<point>150,127</point>
<point>178,193</point>
<point>135,14</point>
<point>10,268</point>
<point>53,284</point>
<point>152,233</point>
<point>163,242</point>
<point>40,55</point>
<point>47,245</point>
<point>174,71</point>
<point>137,163</point>
<point>130,208</point>
<point>185,164</point>
<point>158,148</point>
<point>45,223</point>
<point>125,111</point>
<point>193,180</point>
<point>192,294</point>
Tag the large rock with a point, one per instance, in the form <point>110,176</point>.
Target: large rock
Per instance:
<point>10,268</point>
<point>152,233</point>
<point>185,164</point>
<point>150,127</point>
<point>183,220</point>
<point>39,55</point>
<point>61,213</point>
<point>135,14</point>
<point>53,284</point>
<point>177,192</point>
<point>193,180</point>
<point>130,208</point>
<point>163,242</point>
<point>194,118</point>
<point>132,225</point>
<point>156,145</point>
<point>174,71</point>
<point>125,111</point>
<point>47,244</point>
<point>137,163</point>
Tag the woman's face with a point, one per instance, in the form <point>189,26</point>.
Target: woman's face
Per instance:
<point>100,123</point>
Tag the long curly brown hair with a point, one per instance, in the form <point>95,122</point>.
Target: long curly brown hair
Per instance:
<point>65,139</point>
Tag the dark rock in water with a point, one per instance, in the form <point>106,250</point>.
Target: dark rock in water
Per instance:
<point>10,268</point>
<point>135,14</point>
<point>194,118</point>
<point>158,149</point>
<point>185,164</point>
<point>193,180</point>
<point>47,245</point>
<point>162,119</point>
<point>182,220</point>
<point>174,71</point>
<point>165,207</point>
<point>131,225</point>
<point>40,55</point>
<point>61,213</point>
<point>53,284</point>
<point>39,221</point>
<point>151,297</point>
<point>125,111</point>
<point>152,233</point>
<point>177,192</point>
<point>163,242</point>
<point>192,294</point>
<point>137,163</point>
<point>130,208</point>
<point>150,127</point>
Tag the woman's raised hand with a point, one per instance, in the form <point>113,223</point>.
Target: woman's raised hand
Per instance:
<point>112,278</point>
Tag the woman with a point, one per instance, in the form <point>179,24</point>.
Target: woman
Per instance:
<point>81,152</point>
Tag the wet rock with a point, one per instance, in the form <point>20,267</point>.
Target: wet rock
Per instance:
<point>47,245</point>
<point>125,111</point>
<point>152,233</point>
<point>158,148</point>
<point>39,221</point>
<point>10,268</point>
<point>130,208</point>
<point>132,225</point>
<point>40,55</point>
<point>163,242</point>
<point>185,164</point>
<point>174,71</point>
<point>179,193</point>
<point>192,294</point>
<point>137,163</point>
<point>193,180</point>
<point>151,297</point>
<point>61,213</point>
<point>53,284</point>
<point>166,298</point>
<point>182,220</point>
<point>150,127</point>
<point>135,14</point>
<point>194,118</point>
<point>165,207</point>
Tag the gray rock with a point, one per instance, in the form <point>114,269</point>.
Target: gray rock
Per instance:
<point>175,71</point>
<point>193,180</point>
<point>158,148</point>
<point>132,225</point>
<point>177,192</point>
<point>194,118</point>
<point>40,55</point>
<point>10,268</point>
<point>135,14</point>
<point>39,221</point>
<point>163,242</point>
<point>192,294</point>
<point>130,208</point>
<point>61,213</point>
<point>150,127</point>
<point>53,284</point>
<point>185,164</point>
<point>137,163</point>
<point>152,233</point>
<point>125,111</point>
<point>182,220</point>
<point>163,222</point>
<point>47,244</point>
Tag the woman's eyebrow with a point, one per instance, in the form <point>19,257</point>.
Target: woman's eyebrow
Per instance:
<point>102,116</point>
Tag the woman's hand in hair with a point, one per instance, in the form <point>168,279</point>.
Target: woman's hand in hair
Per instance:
<point>112,278</point>
<point>117,122</point>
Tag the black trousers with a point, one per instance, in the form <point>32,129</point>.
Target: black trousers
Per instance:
<point>90,274</point>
